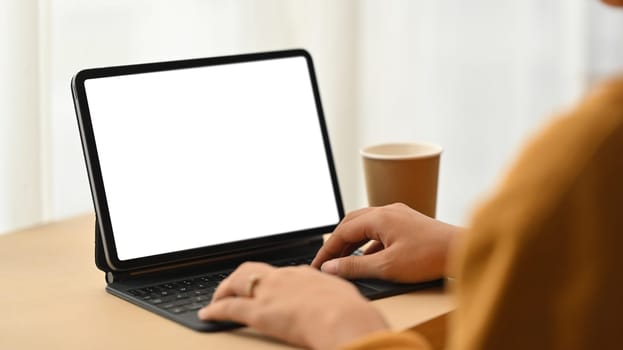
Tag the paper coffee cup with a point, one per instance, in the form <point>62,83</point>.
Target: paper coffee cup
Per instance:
<point>403,172</point>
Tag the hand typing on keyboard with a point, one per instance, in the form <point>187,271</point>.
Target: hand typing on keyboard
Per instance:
<point>295,304</point>
<point>407,246</point>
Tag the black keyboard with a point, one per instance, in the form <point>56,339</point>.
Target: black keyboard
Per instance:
<point>181,296</point>
<point>192,294</point>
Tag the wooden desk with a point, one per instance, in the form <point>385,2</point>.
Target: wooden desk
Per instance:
<point>52,297</point>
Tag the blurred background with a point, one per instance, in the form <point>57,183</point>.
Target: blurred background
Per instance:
<point>475,76</point>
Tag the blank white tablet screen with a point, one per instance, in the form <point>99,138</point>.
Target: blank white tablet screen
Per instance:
<point>202,156</point>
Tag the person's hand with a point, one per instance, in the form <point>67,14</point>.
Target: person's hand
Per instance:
<point>407,246</point>
<point>297,304</point>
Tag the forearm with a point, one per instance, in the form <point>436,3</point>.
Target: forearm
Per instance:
<point>455,236</point>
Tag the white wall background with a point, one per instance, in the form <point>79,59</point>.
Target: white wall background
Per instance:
<point>475,76</point>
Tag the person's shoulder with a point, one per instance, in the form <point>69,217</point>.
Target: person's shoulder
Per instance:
<point>604,104</point>
<point>611,89</point>
<point>556,158</point>
<point>598,121</point>
<point>572,140</point>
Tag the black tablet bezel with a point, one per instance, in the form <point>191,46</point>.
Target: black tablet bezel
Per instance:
<point>98,191</point>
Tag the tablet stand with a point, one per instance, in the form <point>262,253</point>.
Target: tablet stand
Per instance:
<point>100,257</point>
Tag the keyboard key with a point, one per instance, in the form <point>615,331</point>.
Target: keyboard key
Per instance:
<point>193,306</point>
<point>136,292</point>
<point>203,291</point>
<point>178,310</point>
<point>182,295</point>
<point>182,302</point>
<point>201,298</point>
<point>151,290</point>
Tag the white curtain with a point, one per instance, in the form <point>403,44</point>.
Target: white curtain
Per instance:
<point>475,76</point>
<point>20,141</point>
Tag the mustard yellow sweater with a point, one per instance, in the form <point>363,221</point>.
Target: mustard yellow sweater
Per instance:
<point>541,266</point>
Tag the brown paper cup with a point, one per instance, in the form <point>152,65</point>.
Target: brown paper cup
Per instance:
<point>403,172</point>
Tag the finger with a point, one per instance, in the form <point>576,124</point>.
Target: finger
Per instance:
<point>237,283</point>
<point>228,309</point>
<point>352,267</point>
<point>357,230</point>
<point>334,247</point>
<point>356,213</point>
<point>348,249</point>
<point>376,246</point>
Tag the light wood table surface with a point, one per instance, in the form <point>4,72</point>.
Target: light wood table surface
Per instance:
<point>52,297</point>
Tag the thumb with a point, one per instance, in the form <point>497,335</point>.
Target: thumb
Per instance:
<point>352,266</point>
